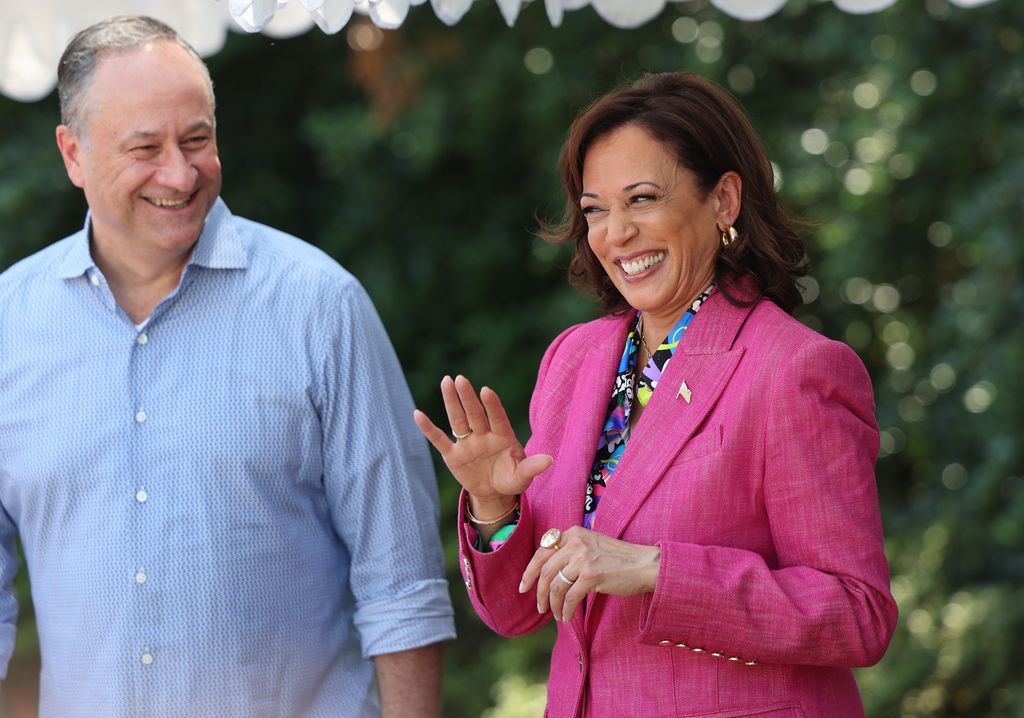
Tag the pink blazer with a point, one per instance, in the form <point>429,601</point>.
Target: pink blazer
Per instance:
<point>761,495</point>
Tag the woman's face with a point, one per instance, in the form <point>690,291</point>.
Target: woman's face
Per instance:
<point>654,231</point>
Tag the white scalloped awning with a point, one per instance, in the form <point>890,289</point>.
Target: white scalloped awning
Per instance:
<point>33,33</point>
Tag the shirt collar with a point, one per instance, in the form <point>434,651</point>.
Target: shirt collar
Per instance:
<point>78,259</point>
<point>219,246</point>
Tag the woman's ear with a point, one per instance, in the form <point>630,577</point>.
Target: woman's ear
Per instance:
<point>729,197</point>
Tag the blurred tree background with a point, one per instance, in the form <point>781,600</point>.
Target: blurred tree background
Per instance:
<point>421,159</point>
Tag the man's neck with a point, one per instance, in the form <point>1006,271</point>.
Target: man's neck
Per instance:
<point>139,281</point>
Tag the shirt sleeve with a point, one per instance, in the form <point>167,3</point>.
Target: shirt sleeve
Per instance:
<point>380,484</point>
<point>8,600</point>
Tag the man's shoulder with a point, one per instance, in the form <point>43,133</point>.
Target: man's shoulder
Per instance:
<point>279,253</point>
<point>42,263</point>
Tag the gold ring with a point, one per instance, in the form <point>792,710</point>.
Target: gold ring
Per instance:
<point>550,539</point>
<point>461,436</point>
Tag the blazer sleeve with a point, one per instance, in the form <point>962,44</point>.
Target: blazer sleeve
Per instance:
<point>825,600</point>
<point>492,578</point>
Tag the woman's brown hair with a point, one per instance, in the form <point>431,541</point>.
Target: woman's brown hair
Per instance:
<point>709,135</point>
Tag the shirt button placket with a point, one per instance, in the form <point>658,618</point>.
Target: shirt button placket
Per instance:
<point>141,576</point>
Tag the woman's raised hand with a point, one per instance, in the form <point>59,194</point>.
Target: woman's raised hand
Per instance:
<point>485,457</point>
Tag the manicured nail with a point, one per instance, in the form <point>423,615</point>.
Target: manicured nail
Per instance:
<point>522,587</point>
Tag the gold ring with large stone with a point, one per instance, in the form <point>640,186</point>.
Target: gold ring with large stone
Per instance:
<point>550,539</point>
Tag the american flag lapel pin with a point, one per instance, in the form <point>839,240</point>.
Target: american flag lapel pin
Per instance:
<point>684,391</point>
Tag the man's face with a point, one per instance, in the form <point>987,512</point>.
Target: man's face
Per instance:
<point>146,154</point>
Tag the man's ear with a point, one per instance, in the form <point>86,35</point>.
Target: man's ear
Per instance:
<point>71,149</point>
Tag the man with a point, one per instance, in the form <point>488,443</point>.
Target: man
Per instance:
<point>206,442</point>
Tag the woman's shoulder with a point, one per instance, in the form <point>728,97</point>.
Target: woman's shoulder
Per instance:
<point>576,340</point>
<point>782,342</point>
<point>774,327</point>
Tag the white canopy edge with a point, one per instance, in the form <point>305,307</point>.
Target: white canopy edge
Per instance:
<point>33,33</point>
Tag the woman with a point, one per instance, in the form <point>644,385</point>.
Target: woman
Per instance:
<point>696,505</point>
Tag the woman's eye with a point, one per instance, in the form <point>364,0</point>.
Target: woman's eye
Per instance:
<point>590,210</point>
<point>640,198</point>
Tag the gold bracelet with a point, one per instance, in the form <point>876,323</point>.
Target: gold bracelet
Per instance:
<point>480,522</point>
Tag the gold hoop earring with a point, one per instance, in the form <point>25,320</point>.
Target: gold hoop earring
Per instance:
<point>729,235</point>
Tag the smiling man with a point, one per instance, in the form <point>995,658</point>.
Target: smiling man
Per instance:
<point>205,436</point>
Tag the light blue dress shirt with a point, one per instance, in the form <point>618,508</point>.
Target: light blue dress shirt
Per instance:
<point>225,513</point>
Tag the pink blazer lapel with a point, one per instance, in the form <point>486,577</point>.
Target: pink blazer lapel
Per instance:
<point>705,361</point>
<point>588,410</point>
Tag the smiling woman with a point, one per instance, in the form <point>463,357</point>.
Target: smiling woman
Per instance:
<point>693,542</point>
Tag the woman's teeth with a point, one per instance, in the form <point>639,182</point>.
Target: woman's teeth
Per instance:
<point>640,265</point>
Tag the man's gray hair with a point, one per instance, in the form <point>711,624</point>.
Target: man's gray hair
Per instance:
<point>87,48</point>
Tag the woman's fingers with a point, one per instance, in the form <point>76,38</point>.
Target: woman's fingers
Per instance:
<point>589,563</point>
<point>457,419</point>
<point>497,417</point>
<point>437,438</point>
<point>471,405</point>
<point>530,466</point>
<point>573,596</point>
<point>533,569</point>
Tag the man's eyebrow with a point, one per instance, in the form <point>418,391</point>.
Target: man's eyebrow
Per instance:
<point>152,134</point>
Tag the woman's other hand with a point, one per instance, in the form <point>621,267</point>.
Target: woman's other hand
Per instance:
<point>485,457</point>
<point>594,563</point>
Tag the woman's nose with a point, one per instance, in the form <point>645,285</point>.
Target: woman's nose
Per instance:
<point>621,227</point>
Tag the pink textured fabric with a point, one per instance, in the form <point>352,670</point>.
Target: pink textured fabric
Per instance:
<point>761,494</point>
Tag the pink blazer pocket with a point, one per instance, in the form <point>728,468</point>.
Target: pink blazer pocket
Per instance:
<point>700,445</point>
<point>776,711</point>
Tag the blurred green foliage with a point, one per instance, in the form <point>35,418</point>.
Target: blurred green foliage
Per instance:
<point>421,159</point>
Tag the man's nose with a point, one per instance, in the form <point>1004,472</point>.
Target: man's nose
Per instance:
<point>177,172</point>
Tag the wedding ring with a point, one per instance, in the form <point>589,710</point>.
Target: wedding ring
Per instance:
<point>461,436</point>
<point>565,579</point>
<point>550,539</point>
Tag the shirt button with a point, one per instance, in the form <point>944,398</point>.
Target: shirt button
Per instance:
<point>141,496</point>
<point>142,339</point>
<point>95,280</point>
<point>140,417</point>
<point>140,577</point>
<point>147,659</point>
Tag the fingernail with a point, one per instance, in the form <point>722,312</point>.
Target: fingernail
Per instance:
<point>539,609</point>
<point>522,586</point>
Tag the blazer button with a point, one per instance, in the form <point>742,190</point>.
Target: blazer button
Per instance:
<point>665,643</point>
